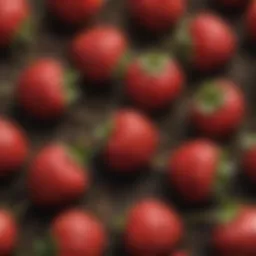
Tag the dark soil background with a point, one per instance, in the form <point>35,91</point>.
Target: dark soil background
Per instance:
<point>110,197</point>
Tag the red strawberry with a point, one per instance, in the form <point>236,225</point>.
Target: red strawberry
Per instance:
<point>218,108</point>
<point>180,253</point>
<point>45,89</point>
<point>249,157</point>
<point>237,236</point>
<point>56,177</point>
<point>196,169</point>
<point>251,20</point>
<point>153,81</point>
<point>98,52</point>
<point>132,142</point>
<point>157,17</point>
<point>8,233</point>
<point>152,229</point>
<point>233,3</point>
<point>78,233</point>
<point>13,147</point>
<point>14,18</point>
<point>75,11</point>
<point>206,41</point>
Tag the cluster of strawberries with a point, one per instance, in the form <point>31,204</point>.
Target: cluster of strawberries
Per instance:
<point>197,170</point>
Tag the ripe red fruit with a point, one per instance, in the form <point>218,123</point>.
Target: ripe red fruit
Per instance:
<point>180,253</point>
<point>45,89</point>
<point>14,18</point>
<point>13,147</point>
<point>237,236</point>
<point>155,16</point>
<point>251,20</point>
<point>98,52</point>
<point>152,229</point>
<point>8,233</point>
<point>75,12</point>
<point>56,177</point>
<point>233,3</point>
<point>153,81</point>
<point>194,169</point>
<point>132,141</point>
<point>249,157</point>
<point>77,232</point>
<point>218,108</point>
<point>207,42</point>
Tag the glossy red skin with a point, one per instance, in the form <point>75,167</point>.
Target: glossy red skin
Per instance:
<point>249,162</point>
<point>132,142</point>
<point>180,253</point>
<point>154,91</point>
<point>152,229</point>
<point>157,17</point>
<point>98,52</point>
<point>227,118</point>
<point>56,178</point>
<point>212,40</point>
<point>13,147</point>
<point>13,15</point>
<point>78,233</point>
<point>250,20</point>
<point>192,170</point>
<point>75,12</point>
<point>41,92</point>
<point>233,3</point>
<point>238,236</point>
<point>8,233</point>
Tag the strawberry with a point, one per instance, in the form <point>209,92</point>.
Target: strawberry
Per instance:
<point>236,236</point>
<point>196,170</point>
<point>8,233</point>
<point>152,229</point>
<point>75,12</point>
<point>56,177</point>
<point>218,108</point>
<point>45,89</point>
<point>249,157</point>
<point>14,21</point>
<point>233,3</point>
<point>153,81</point>
<point>74,232</point>
<point>250,20</point>
<point>77,232</point>
<point>122,151</point>
<point>97,53</point>
<point>157,17</point>
<point>206,42</point>
<point>180,253</point>
<point>13,147</point>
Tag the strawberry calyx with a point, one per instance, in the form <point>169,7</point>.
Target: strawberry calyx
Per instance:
<point>25,34</point>
<point>78,154</point>
<point>153,63</point>
<point>45,247</point>
<point>209,98</point>
<point>248,141</point>
<point>123,64</point>
<point>71,79</point>
<point>224,179</point>
<point>182,43</point>
<point>227,213</point>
